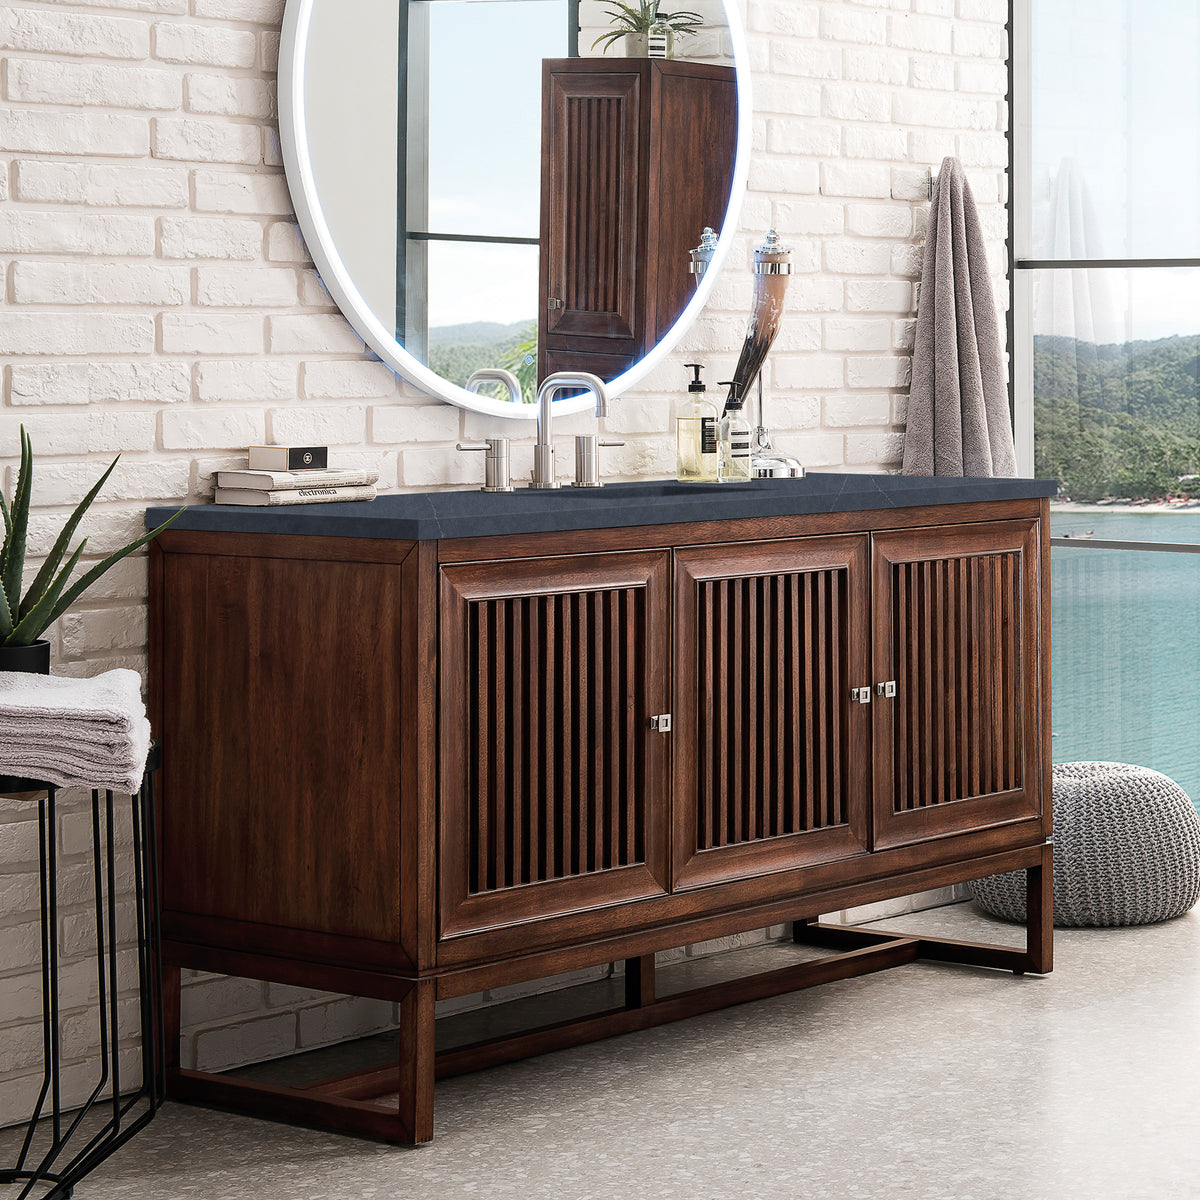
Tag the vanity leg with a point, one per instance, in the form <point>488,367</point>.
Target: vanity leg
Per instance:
<point>1039,914</point>
<point>417,1062</point>
<point>172,1000</point>
<point>639,981</point>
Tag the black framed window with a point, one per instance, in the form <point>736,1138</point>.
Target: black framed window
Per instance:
<point>1105,341</point>
<point>470,166</point>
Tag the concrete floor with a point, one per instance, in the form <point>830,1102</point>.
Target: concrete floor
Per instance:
<point>932,1082</point>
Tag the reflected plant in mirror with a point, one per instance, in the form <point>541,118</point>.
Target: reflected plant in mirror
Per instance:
<point>637,25</point>
<point>543,222</point>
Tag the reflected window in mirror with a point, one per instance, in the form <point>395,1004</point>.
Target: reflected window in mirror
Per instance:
<point>469,194</point>
<point>422,215</point>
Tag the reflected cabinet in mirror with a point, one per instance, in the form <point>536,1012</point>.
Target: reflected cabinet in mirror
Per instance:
<point>498,183</point>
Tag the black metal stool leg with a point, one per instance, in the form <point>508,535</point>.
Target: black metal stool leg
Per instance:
<point>106,1095</point>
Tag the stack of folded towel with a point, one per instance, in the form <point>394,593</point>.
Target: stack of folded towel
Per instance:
<point>74,732</point>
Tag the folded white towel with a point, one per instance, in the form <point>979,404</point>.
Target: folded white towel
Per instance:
<point>113,698</point>
<point>74,732</point>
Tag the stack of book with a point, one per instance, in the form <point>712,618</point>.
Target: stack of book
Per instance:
<point>293,475</point>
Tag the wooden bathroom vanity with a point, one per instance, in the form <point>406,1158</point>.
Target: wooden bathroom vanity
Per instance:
<point>438,743</point>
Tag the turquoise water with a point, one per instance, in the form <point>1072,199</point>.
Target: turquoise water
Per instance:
<point>1126,644</point>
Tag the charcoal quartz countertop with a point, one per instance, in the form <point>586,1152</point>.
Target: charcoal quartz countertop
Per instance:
<point>418,516</point>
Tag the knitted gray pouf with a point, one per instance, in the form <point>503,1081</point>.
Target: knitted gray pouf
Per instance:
<point>1126,850</point>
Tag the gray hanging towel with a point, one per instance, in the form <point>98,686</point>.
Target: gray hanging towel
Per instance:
<point>958,422</point>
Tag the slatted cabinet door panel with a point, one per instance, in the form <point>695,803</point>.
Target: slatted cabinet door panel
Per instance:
<point>593,180</point>
<point>957,628</point>
<point>771,755</point>
<point>554,788</point>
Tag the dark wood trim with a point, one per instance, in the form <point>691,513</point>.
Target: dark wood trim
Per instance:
<point>747,529</point>
<point>247,937</point>
<point>417,1064</point>
<point>874,874</point>
<point>282,545</point>
<point>1039,912</point>
<point>298,1106</point>
<point>172,983</point>
<point>419,753</point>
<point>639,981</point>
<point>677,1007</point>
<point>517,967</point>
<point>298,972</point>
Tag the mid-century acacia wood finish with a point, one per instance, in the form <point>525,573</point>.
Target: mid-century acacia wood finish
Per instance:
<point>956,628</point>
<point>551,915</point>
<point>637,160</point>
<point>251,641</point>
<point>770,637</point>
<point>555,793</point>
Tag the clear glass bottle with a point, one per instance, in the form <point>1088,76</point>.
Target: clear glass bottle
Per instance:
<point>696,434</point>
<point>733,440</point>
<point>660,40</point>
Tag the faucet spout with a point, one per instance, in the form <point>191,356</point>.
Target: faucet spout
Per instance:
<point>544,474</point>
<point>496,375</point>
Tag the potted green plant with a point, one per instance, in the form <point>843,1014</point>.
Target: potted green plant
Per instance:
<point>634,23</point>
<point>24,618</point>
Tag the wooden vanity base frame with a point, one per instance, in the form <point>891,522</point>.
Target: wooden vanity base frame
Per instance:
<point>395,1103</point>
<point>416,770</point>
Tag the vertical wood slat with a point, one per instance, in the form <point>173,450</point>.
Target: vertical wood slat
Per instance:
<point>770,681</point>
<point>778,700</point>
<point>720,715</point>
<point>957,720</point>
<point>808,639</point>
<point>556,727</point>
<point>593,236</point>
<point>834,643</point>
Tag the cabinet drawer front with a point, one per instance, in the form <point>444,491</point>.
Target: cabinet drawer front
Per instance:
<point>553,784</point>
<point>957,628</point>
<point>770,639</point>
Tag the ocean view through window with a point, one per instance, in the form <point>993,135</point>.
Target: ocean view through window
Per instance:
<point>1106,355</point>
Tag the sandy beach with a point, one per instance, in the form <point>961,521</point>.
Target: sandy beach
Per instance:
<point>1139,507</point>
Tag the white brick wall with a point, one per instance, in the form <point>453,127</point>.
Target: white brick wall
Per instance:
<point>158,300</point>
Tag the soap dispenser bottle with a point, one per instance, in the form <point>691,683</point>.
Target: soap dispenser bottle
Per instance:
<point>696,434</point>
<point>733,438</point>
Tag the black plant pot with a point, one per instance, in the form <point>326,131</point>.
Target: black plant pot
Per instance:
<point>33,660</point>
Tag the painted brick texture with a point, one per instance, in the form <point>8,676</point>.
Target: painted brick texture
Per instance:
<point>156,299</point>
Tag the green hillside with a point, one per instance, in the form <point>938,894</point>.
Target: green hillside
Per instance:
<point>1117,421</point>
<point>457,351</point>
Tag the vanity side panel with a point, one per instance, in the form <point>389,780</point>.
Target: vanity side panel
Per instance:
<point>281,691</point>
<point>693,141</point>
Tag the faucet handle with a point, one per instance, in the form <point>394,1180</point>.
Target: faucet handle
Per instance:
<point>587,460</point>
<point>496,469</point>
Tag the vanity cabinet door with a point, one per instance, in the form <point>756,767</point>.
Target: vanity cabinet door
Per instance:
<point>957,628</point>
<point>554,791</point>
<point>771,755</point>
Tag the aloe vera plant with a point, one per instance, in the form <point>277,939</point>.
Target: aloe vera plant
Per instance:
<point>23,619</point>
<point>629,19</point>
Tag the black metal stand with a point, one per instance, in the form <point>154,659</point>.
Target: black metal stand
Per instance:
<point>51,1166</point>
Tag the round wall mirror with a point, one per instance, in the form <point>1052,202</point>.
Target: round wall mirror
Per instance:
<point>514,184</point>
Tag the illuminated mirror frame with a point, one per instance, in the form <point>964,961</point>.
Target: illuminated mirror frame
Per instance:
<point>293,136</point>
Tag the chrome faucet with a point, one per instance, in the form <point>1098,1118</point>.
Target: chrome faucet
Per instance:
<point>544,474</point>
<point>496,375</point>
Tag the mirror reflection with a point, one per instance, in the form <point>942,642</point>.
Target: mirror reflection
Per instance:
<point>507,185</point>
